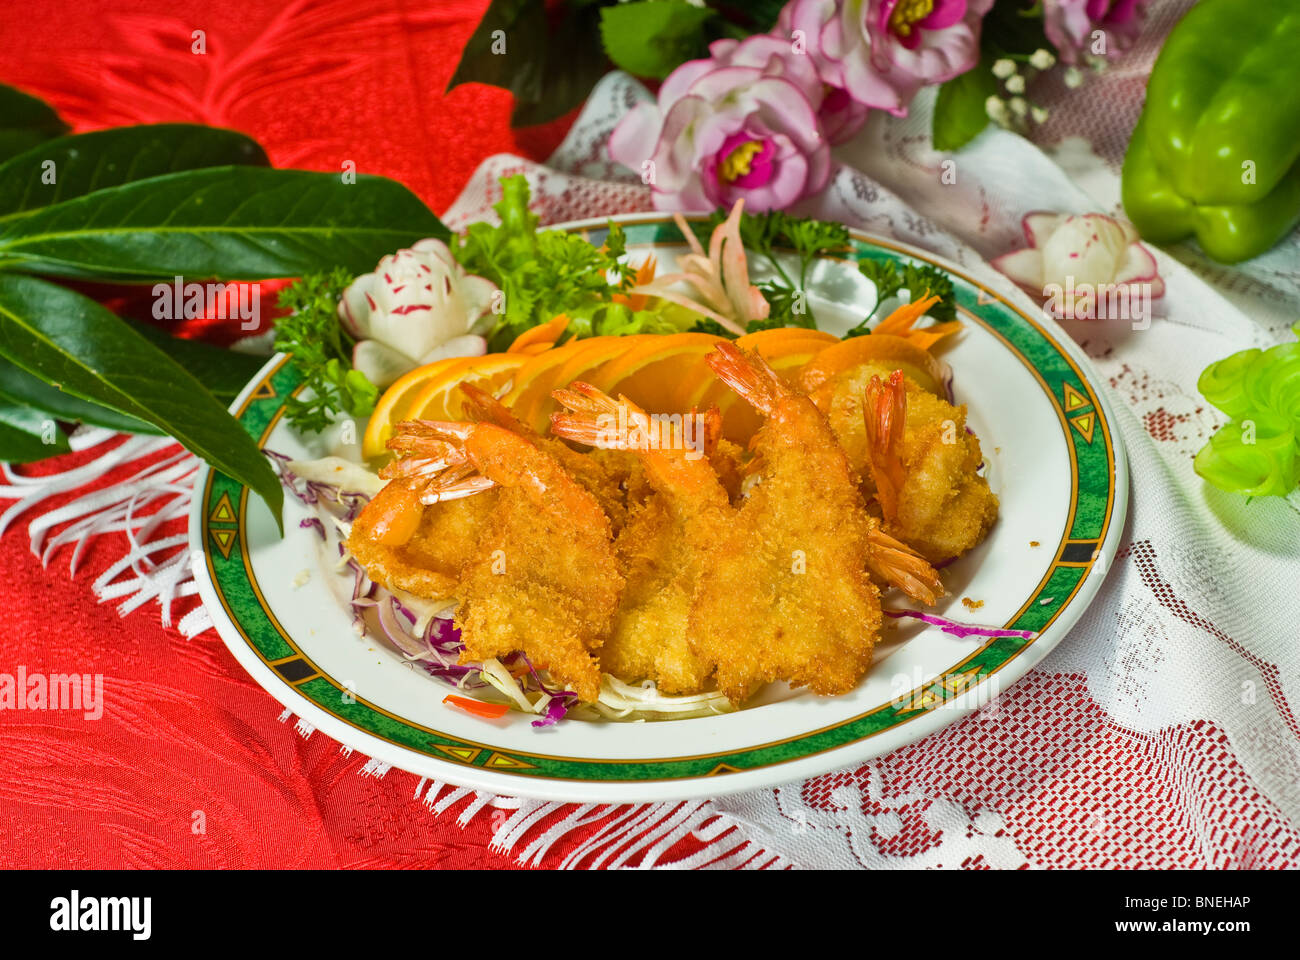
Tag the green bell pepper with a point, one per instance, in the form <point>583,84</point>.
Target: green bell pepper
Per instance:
<point>1216,153</point>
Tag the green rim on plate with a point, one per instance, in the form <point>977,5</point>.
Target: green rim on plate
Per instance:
<point>1092,505</point>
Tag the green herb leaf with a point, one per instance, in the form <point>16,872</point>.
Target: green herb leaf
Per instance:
<point>548,66</point>
<point>651,39</point>
<point>224,372</point>
<point>919,280</point>
<point>322,350</point>
<point>67,339</point>
<point>541,272</point>
<point>243,223</point>
<point>87,162</point>
<point>26,122</point>
<point>24,431</point>
<point>959,112</point>
<point>19,386</point>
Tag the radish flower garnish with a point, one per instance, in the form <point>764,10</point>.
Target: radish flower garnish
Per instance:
<point>1086,267</point>
<point>418,306</point>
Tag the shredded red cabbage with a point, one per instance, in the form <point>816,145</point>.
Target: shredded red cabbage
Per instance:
<point>961,630</point>
<point>314,524</point>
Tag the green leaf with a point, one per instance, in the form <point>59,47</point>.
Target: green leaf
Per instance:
<point>87,162</point>
<point>68,339</point>
<point>24,432</point>
<point>550,68</point>
<point>238,223</point>
<point>26,122</point>
<point>959,113</point>
<point>651,39</point>
<point>223,372</point>
<point>19,386</point>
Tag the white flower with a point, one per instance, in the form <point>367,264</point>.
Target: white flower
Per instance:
<point>1042,59</point>
<point>1081,262</point>
<point>418,306</point>
<point>1073,77</point>
<point>1003,68</point>
<point>1016,84</point>
<point>996,108</point>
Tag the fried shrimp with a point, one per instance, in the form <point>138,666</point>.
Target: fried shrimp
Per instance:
<point>924,466</point>
<point>405,544</point>
<point>668,537</point>
<point>786,595</point>
<point>544,579</point>
<point>605,478</point>
<point>935,499</point>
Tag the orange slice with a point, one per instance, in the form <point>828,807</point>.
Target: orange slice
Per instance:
<point>786,349</point>
<point>651,374</point>
<point>765,340</point>
<point>543,335</point>
<point>433,394</point>
<point>530,399</point>
<point>893,352</point>
<point>395,403</point>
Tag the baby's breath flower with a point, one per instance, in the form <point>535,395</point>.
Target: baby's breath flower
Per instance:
<point>1073,77</point>
<point>1042,59</point>
<point>996,108</point>
<point>1019,106</point>
<point>1016,84</point>
<point>1003,68</point>
<point>1040,114</point>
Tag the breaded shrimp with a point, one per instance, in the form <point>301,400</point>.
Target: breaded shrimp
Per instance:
<point>664,546</point>
<point>405,544</point>
<point>786,595</point>
<point>603,477</point>
<point>429,562</point>
<point>941,505</point>
<point>923,464</point>
<point>544,579</point>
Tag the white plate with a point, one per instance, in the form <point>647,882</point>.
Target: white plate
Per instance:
<point>1051,456</point>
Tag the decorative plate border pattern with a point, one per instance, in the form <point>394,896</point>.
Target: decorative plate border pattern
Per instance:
<point>224,509</point>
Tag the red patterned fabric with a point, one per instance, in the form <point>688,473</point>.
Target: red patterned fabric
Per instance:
<point>187,739</point>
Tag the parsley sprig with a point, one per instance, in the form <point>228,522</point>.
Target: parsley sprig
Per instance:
<point>918,280</point>
<point>545,272</point>
<point>322,350</point>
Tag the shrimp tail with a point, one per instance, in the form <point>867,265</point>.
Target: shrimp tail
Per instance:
<point>885,413</point>
<point>591,416</point>
<point>897,564</point>
<point>463,481</point>
<point>748,374</point>
<point>485,408</point>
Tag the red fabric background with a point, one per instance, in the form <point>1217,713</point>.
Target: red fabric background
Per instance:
<point>185,729</point>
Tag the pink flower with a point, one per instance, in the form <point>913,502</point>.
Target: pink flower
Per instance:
<point>841,116</point>
<point>881,52</point>
<point>742,125</point>
<point>1087,267</point>
<point>1070,25</point>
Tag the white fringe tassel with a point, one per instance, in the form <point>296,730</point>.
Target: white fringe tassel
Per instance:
<point>138,506</point>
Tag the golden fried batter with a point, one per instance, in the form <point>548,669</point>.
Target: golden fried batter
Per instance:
<point>545,580</point>
<point>785,595</point>
<point>664,546</point>
<point>429,564</point>
<point>944,507</point>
